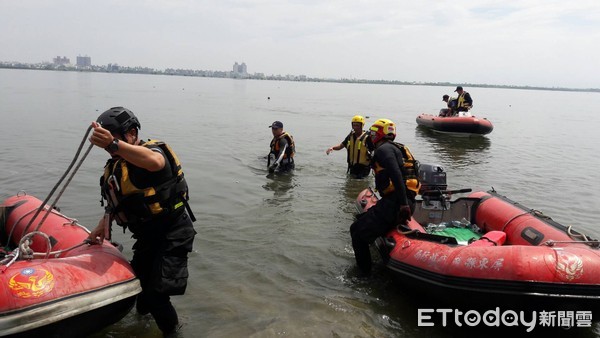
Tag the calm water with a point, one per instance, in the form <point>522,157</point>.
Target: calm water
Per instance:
<point>273,256</point>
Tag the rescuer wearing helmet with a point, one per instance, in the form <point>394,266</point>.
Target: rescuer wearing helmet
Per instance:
<point>283,149</point>
<point>359,146</point>
<point>145,191</point>
<point>393,166</point>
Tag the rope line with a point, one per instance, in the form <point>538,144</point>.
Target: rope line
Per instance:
<point>59,181</point>
<point>23,250</point>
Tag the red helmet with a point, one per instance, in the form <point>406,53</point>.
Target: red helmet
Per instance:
<point>383,128</point>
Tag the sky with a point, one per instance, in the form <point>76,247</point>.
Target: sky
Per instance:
<point>544,43</point>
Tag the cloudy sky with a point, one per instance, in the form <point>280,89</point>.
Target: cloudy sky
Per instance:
<point>526,42</point>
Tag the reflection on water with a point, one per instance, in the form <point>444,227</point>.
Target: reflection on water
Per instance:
<point>279,183</point>
<point>456,150</point>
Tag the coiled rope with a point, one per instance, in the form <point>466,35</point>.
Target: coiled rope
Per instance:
<point>23,250</point>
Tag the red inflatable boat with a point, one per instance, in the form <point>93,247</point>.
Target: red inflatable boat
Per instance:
<point>52,282</point>
<point>485,250</point>
<point>465,123</point>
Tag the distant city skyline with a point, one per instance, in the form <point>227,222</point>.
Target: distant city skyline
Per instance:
<point>239,71</point>
<point>547,43</point>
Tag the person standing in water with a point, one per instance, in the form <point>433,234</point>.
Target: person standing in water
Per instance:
<point>396,181</point>
<point>360,148</point>
<point>145,191</point>
<point>283,149</point>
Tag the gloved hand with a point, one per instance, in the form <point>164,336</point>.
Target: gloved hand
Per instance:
<point>404,214</point>
<point>273,167</point>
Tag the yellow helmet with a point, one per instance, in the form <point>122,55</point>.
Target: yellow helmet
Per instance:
<point>358,119</point>
<point>383,128</point>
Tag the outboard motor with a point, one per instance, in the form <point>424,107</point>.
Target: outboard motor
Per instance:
<point>432,178</point>
<point>433,186</point>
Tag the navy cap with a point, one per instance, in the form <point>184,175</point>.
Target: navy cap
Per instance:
<point>458,88</point>
<point>276,125</point>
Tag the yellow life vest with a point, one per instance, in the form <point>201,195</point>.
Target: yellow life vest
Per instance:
<point>410,171</point>
<point>291,149</point>
<point>461,101</point>
<point>130,204</point>
<point>358,152</point>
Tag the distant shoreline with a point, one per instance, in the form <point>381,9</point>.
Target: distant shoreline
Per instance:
<point>230,75</point>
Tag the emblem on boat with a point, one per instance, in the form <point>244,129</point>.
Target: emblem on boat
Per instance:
<point>569,266</point>
<point>31,282</point>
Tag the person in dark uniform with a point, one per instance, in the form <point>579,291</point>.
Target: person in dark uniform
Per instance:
<point>145,191</point>
<point>396,203</point>
<point>282,145</point>
<point>360,148</point>
<point>451,104</point>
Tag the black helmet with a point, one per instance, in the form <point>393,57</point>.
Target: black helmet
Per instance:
<point>118,120</point>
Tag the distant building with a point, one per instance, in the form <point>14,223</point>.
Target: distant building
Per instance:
<point>60,61</point>
<point>113,67</point>
<point>240,70</point>
<point>84,61</point>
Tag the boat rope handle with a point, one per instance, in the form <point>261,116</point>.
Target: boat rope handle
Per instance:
<point>26,251</point>
<point>15,256</point>
<point>60,181</point>
<point>540,214</point>
<point>59,252</point>
<point>513,218</point>
<point>583,239</point>
<point>552,242</point>
<point>534,212</point>
<point>23,251</point>
<point>574,236</point>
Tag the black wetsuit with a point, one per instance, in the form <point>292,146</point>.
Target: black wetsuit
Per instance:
<point>160,252</point>
<point>160,262</point>
<point>383,216</point>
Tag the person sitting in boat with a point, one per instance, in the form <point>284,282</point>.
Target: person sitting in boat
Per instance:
<point>465,102</point>
<point>451,104</point>
<point>397,182</point>
<point>146,192</point>
<point>359,146</point>
<point>283,149</point>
